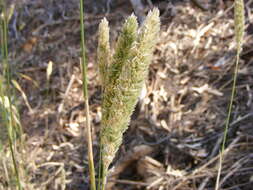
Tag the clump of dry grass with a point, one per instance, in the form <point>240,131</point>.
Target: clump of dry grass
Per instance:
<point>123,77</point>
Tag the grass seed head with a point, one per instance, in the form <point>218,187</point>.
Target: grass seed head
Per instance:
<point>103,51</point>
<point>239,23</point>
<point>127,74</point>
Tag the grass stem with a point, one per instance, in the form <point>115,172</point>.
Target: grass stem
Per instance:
<point>7,114</point>
<point>86,100</point>
<point>239,32</point>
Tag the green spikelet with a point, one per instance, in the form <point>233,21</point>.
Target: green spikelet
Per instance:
<point>239,23</point>
<point>125,44</point>
<point>113,119</point>
<point>103,52</point>
<point>126,75</point>
<point>146,41</point>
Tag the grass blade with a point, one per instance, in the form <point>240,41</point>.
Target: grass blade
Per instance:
<point>6,91</point>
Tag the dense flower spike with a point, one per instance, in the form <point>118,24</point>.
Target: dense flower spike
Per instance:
<point>114,117</point>
<point>124,78</point>
<point>124,46</point>
<point>103,53</point>
<point>239,22</point>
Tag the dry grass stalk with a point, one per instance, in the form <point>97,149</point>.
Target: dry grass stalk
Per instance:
<point>125,76</point>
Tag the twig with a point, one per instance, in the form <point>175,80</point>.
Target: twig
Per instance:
<point>217,145</point>
<point>128,182</point>
<point>206,164</point>
<point>199,5</point>
<point>236,166</point>
<point>72,79</point>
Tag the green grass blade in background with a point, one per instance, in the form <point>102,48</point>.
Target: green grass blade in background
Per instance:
<point>6,93</point>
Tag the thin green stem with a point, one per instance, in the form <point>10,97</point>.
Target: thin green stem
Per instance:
<point>228,120</point>
<point>102,172</point>
<point>7,76</point>
<point>239,32</point>
<point>100,167</point>
<point>86,100</point>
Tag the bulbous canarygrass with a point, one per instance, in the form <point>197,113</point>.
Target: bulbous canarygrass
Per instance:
<point>123,76</point>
